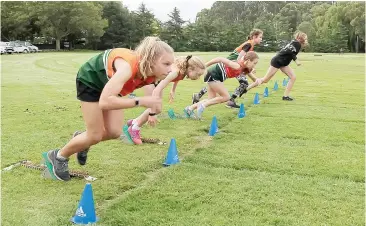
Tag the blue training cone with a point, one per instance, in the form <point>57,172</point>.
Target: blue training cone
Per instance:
<point>284,82</point>
<point>256,99</point>
<point>171,114</point>
<point>275,88</point>
<point>217,125</point>
<point>85,213</point>
<point>172,155</point>
<point>214,127</point>
<point>241,111</point>
<point>265,94</point>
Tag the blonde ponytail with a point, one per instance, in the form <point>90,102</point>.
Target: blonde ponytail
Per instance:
<point>189,62</point>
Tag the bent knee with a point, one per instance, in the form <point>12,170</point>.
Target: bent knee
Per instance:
<point>226,98</point>
<point>94,137</point>
<point>114,134</point>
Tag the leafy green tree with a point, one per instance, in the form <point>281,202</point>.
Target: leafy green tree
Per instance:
<point>59,19</point>
<point>119,31</point>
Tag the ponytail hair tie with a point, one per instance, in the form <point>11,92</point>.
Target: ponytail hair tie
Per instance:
<point>187,59</point>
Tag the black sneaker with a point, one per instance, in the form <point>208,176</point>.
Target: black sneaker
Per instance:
<point>60,167</point>
<point>83,155</point>
<point>287,98</point>
<point>232,104</point>
<point>195,98</point>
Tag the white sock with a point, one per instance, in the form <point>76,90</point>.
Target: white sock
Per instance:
<point>59,156</point>
<point>134,122</point>
<point>135,127</point>
<point>190,108</point>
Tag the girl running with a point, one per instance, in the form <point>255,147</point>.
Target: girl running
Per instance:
<point>282,60</point>
<point>100,83</point>
<point>255,38</point>
<point>215,77</point>
<point>190,67</point>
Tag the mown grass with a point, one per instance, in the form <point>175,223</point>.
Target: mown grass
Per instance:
<point>285,163</point>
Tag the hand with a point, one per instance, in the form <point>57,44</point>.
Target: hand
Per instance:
<point>259,81</point>
<point>171,97</point>
<point>152,120</point>
<point>150,101</point>
<point>253,71</point>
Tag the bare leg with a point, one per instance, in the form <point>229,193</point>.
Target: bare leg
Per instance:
<point>216,88</point>
<point>211,94</point>
<point>96,129</point>
<point>270,73</point>
<point>290,73</point>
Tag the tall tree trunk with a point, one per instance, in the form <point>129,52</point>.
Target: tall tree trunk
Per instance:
<point>58,44</point>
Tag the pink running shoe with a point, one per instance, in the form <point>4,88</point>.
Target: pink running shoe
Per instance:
<point>129,122</point>
<point>135,135</point>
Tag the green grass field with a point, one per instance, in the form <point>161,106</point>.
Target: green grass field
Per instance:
<point>285,163</point>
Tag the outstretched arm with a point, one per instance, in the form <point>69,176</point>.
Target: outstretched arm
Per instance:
<point>252,76</point>
<point>109,99</point>
<point>174,87</point>
<point>225,61</point>
<point>164,83</point>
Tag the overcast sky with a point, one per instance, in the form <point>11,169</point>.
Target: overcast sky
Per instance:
<point>161,8</point>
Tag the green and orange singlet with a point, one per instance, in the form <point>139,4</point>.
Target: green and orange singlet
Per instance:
<point>234,55</point>
<point>221,72</point>
<point>97,71</point>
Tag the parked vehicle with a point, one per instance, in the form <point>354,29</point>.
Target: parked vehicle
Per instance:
<point>8,49</point>
<point>18,48</point>
<point>30,46</point>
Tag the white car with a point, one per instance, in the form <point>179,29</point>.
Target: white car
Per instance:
<point>30,46</point>
<point>18,48</point>
<point>33,48</point>
<point>2,49</point>
<point>8,49</point>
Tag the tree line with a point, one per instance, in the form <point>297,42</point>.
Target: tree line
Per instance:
<point>330,26</point>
